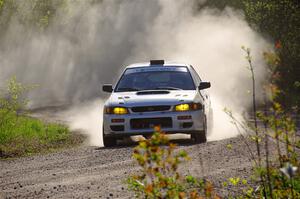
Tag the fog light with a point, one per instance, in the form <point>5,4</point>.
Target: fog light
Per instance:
<point>184,117</point>
<point>117,128</point>
<point>187,125</point>
<point>117,120</point>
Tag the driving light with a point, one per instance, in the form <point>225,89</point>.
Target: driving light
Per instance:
<point>116,110</point>
<point>182,107</point>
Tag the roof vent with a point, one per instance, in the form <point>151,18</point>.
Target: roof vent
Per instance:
<point>157,62</point>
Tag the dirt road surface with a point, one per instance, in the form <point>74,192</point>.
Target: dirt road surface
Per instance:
<point>91,172</point>
<point>94,172</point>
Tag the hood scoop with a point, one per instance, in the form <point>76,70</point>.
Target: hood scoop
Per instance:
<point>152,92</point>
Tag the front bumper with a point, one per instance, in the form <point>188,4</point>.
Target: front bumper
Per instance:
<point>123,125</point>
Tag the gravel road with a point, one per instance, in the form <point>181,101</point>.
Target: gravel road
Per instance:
<point>91,172</point>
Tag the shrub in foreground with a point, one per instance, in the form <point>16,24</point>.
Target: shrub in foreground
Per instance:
<point>160,177</point>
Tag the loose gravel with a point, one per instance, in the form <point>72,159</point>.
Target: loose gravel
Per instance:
<point>93,172</point>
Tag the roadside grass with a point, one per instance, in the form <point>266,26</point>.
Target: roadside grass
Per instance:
<point>23,136</point>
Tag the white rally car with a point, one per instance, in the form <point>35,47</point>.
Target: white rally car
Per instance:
<point>168,95</point>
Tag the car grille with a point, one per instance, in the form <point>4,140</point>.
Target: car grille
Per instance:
<point>148,123</point>
<point>140,109</point>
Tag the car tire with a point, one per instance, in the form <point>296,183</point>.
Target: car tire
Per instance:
<point>199,137</point>
<point>108,141</point>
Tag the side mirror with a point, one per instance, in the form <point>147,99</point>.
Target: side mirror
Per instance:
<point>107,88</point>
<point>204,85</point>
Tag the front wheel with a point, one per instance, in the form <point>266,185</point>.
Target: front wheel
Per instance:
<point>108,141</point>
<point>199,137</point>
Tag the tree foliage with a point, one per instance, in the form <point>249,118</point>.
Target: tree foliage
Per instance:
<point>32,14</point>
<point>278,21</point>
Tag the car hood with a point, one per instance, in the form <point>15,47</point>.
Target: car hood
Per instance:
<point>151,98</point>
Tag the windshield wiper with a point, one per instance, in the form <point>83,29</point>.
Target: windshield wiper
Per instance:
<point>128,89</point>
<point>167,88</point>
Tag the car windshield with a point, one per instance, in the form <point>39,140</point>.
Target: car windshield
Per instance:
<point>155,79</point>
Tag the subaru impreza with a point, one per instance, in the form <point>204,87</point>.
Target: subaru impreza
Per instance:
<point>167,95</point>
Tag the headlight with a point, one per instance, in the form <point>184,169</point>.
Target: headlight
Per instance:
<point>182,107</point>
<point>116,110</point>
<point>188,107</point>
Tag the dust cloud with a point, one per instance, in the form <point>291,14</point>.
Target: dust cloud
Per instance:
<point>70,62</point>
<point>86,118</point>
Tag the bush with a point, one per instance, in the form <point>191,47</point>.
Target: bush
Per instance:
<point>160,177</point>
<point>276,172</point>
